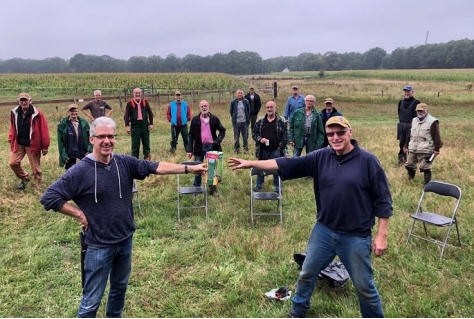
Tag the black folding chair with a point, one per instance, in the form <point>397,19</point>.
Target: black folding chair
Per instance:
<point>199,194</point>
<point>265,196</point>
<point>446,219</point>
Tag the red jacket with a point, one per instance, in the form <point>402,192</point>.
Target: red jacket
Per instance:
<point>39,132</point>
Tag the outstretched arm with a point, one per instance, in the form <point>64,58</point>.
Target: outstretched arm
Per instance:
<point>267,165</point>
<point>166,168</point>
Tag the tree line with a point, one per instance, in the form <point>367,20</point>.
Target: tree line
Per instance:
<point>450,55</point>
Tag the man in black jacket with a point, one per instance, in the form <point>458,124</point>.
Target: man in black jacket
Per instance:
<point>203,136</point>
<point>406,113</point>
<point>255,105</point>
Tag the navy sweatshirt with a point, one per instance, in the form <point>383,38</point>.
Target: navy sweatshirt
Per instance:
<point>349,193</point>
<point>104,193</point>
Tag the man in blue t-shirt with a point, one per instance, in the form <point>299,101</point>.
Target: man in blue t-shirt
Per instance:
<point>351,190</point>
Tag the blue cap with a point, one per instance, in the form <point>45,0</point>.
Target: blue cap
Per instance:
<point>408,88</point>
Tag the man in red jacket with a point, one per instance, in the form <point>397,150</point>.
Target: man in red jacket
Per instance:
<point>29,135</point>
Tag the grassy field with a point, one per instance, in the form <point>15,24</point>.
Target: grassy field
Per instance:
<point>222,266</point>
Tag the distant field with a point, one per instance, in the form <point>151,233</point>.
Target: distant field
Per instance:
<point>466,75</point>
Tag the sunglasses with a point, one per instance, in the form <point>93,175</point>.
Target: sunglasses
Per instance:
<point>103,136</point>
<point>339,133</point>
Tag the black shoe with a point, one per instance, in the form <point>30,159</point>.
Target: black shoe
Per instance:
<point>21,186</point>
<point>172,150</point>
<point>257,189</point>
<point>293,315</point>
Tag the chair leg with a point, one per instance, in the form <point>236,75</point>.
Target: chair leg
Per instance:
<point>457,231</point>
<point>411,231</point>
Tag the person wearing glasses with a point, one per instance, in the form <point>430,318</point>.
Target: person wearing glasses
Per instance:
<point>327,112</point>
<point>178,114</point>
<point>423,143</point>
<point>306,128</point>
<point>351,190</point>
<point>73,138</point>
<point>101,187</point>
<point>28,135</point>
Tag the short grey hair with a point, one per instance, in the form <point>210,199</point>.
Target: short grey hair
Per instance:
<point>97,92</point>
<point>311,97</point>
<point>102,121</point>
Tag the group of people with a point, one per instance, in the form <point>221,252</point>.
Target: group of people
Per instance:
<point>101,183</point>
<point>418,135</point>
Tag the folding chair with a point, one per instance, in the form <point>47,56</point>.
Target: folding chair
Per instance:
<point>436,219</point>
<point>135,193</point>
<point>199,194</point>
<point>262,196</point>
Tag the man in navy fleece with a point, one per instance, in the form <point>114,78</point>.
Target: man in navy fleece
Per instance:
<point>351,189</point>
<point>101,186</point>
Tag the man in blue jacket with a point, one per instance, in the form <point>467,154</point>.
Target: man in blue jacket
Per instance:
<point>351,190</point>
<point>178,114</point>
<point>101,187</point>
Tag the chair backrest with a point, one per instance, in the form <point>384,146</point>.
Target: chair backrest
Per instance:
<point>443,189</point>
<point>191,163</point>
<point>255,171</point>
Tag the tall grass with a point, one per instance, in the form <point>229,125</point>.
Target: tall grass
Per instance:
<point>222,266</point>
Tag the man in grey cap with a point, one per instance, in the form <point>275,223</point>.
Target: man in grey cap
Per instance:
<point>406,113</point>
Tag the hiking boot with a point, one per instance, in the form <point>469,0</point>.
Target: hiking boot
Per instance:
<point>257,189</point>
<point>411,173</point>
<point>172,150</point>
<point>22,185</point>
<point>427,176</point>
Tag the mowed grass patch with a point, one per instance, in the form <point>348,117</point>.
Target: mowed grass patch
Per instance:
<point>223,265</point>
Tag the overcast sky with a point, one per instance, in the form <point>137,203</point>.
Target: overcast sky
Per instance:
<point>39,29</point>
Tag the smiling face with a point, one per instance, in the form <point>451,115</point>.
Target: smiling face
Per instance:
<point>339,138</point>
<point>204,108</point>
<point>25,104</point>
<point>137,94</point>
<point>103,143</point>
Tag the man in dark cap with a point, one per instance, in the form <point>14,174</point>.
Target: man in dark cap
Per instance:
<point>406,113</point>
<point>73,138</point>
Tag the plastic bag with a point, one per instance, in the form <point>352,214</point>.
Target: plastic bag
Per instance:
<point>335,274</point>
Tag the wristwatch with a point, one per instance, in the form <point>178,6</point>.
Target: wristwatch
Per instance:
<point>186,169</point>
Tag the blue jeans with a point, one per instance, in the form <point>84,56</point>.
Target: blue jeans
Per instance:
<point>297,151</point>
<point>100,262</point>
<point>264,155</point>
<point>197,177</point>
<point>241,128</point>
<point>354,253</point>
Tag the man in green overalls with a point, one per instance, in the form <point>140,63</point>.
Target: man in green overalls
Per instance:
<point>138,123</point>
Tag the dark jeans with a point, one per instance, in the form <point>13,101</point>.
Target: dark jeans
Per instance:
<point>297,151</point>
<point>241,129</point>
<point>264,155</point>
<point>253,120</point>
<point>100,262</point>
<point>70,163</point>
<point>354,252</point>
<point>175,131</point>
<point>140,133</point>
<point>197,177</point>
